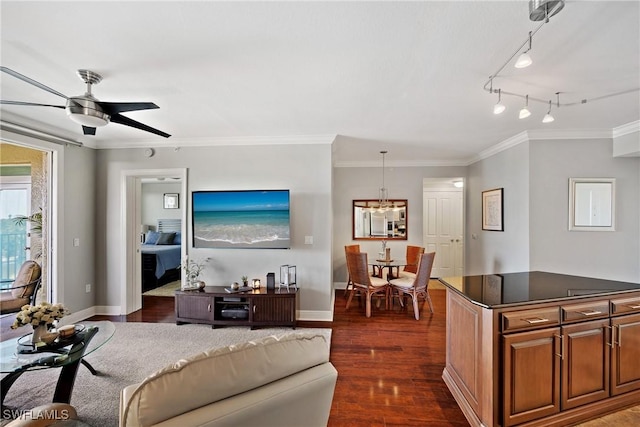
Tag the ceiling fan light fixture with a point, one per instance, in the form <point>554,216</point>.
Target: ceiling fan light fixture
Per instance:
<point>86,112</point>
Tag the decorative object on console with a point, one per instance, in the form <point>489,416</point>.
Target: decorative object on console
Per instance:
<point>492,213</point>
<point>287,276</point>
<point>256,283</point>
<point>245,281</point>
<point>271,280</point>
<point>192,271</point>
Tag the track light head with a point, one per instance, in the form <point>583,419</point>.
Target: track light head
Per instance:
<point>524,113</point>
<point>499,107</point>
<point>523,61</point>
<point>548,118</point>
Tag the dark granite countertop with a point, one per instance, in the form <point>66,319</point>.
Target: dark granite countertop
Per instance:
<point>511,289</point>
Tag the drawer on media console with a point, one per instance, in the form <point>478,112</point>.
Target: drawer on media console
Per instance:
<point>235,313</point>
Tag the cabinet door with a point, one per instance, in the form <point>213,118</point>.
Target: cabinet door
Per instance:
<point>274,310</point>
<point>625,354</point>
<point>585,363</point>
<point>531,375</point>
<point>194,308</point>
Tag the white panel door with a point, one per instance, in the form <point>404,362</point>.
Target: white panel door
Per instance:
<point>442,216</point>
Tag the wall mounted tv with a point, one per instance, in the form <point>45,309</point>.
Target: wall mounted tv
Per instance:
<point>241,219</point>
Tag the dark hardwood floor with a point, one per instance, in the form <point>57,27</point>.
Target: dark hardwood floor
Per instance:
<point>389,365</point>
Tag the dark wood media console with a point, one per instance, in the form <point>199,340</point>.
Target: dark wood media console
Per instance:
<point>257,308</point>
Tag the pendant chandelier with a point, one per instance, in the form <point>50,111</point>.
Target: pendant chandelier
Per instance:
<point>383,197</point>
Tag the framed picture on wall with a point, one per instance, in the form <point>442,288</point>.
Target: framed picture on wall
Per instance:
<point>171,200</point>
<point>492,214</point>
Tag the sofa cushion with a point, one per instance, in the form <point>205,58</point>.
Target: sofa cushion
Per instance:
<point>216,374</point>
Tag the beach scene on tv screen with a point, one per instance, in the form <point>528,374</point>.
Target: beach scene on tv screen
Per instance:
<point>241,219</point>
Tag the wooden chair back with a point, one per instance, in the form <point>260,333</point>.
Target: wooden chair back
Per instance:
<point>413,258</point>
<point>424,271</point>
<point>351,248</point>
<point>358,268</point>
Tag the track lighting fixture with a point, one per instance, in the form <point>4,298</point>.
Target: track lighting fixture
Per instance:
<point>499,107</point>
<point>524,113</point>
<point>524,60</point>
<point>548,118</point>
<point>541,11</point>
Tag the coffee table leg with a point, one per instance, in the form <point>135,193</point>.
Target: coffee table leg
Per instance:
<point>64,387</point>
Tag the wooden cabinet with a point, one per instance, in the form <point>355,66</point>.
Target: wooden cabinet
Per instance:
<point>625,354</point>
<point>531,375</point>
<point>255,308</point>
<point>554,363</point>
<point>585,350</point>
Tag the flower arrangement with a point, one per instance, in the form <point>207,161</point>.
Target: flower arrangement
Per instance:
<point>192,268</point>
<point>43,314</point>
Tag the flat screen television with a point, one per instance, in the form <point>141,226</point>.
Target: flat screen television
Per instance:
<point>241,219</point>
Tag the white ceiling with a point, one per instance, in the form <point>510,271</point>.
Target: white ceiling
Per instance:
<point>402,76</point>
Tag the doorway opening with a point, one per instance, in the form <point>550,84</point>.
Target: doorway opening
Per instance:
<point>25,212</point>
<point>144,210</point>
<point>443,224</point>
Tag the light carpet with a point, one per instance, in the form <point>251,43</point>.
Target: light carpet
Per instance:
<point>135,351</point>
<point>167,290</point>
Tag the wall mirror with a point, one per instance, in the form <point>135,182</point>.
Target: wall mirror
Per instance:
<point>592,204</point>
<point>370,222</point>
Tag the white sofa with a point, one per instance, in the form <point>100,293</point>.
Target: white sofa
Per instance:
<point>276,381</point>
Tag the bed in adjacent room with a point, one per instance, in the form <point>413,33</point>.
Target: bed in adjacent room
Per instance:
<point>161,254</point>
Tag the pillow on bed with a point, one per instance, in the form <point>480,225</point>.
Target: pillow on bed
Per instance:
<point>152,238</point>
<point>165,239</point>
<point>177,240</point>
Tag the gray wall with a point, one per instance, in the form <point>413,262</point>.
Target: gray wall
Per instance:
<point>499,251</point>
<point>612,255</point>
<point>362,183</point>
<point>303,169</point>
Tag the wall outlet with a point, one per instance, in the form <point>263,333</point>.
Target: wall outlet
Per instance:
<point>308,240</point>
<point>76,242</point>
<point>87,287</point>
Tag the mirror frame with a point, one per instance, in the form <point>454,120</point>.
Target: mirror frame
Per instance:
<point>373,203</point>
<point>580,208</point>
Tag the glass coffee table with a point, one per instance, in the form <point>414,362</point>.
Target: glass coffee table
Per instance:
<point>18,356</point>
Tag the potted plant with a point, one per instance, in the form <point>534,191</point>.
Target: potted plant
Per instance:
<point>245,281</point>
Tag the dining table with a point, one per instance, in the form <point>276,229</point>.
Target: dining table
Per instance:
<point>380,264</point>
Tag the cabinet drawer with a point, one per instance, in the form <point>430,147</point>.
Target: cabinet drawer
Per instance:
<point>625,305</point>
<point>587,311</point>
<point>529,319</point>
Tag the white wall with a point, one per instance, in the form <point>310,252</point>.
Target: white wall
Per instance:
<point>609,255</point>
<point>499,251</point>
<point>362,183</point>
<point>303,169</point>
<point>152,207</point>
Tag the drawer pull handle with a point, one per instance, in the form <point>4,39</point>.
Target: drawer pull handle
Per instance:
<point>634,307</point>
<point>209,308</point>
<point>589,313</point>
<point>536,320</point>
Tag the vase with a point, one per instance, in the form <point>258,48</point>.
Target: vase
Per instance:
<point>38,331</point>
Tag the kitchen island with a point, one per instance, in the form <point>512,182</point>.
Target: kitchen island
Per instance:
<point>541,349</point>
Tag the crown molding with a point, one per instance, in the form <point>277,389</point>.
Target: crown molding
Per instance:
<point>626,129</point>
<point>501,146</point>
<point>219,142</point>
<point>546,134</point>
<point>399,164</point>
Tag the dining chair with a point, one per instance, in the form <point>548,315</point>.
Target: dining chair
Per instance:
<point>368,285</point>
<point>413,258</point>
<point>349,249</point>
<point>416,287</point>
<point>23,290</point>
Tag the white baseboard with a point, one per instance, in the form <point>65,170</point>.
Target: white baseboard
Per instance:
<point>315,316</point>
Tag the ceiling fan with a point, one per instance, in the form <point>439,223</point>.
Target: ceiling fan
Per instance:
<point>86,109</point>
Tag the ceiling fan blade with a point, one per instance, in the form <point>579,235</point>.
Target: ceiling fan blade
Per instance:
<point>33,104</point>
<point>117,118</point>
<point>88,130</point>
<point>31,81</point>
<point>112,108</point>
